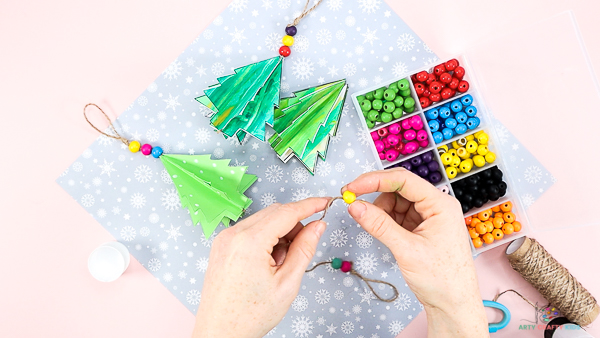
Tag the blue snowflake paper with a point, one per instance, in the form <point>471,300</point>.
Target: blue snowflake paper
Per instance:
<point>134,198</point>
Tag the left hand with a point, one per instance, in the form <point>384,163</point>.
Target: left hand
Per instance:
<point>255,270</point>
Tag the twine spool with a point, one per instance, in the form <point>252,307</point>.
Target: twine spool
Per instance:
<point>552,280</point>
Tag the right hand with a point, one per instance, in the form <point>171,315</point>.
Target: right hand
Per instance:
<point>424,228</point>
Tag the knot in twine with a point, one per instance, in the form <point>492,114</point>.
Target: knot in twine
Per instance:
<point>304,12</point>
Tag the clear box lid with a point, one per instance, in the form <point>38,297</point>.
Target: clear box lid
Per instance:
<point>539,82</point>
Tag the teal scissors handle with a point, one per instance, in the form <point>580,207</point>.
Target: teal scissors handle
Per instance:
<point>493,327</point>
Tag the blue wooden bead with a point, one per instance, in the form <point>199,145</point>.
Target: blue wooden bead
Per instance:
<point>473,122</point>
<point>448,133</point>
<point>444,112</point>
<point>156,152</point>
<point>461,117</point>
<point>460,129</point>
<point>450,123</point>
<point>433,126</point>
<point>438,137</point>
<point>466,100</point>
<point>291,30</point>
<point>456,106</point>
<point>431,114</point>
<point>471,111</point>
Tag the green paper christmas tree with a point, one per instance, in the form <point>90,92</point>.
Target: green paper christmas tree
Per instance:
<point>244,102</point>
<point>212,191</point>
<point>305,122</point>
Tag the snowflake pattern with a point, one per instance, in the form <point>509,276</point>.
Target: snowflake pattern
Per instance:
<point>303,68</point>
<point>143,173</point>
<point>403,302</point>
<point>274,173</point>
<point>322,297</point>
<point>405,42</point>
<point>369,6</point>
<point>193,297</point>
<point>366,263</point>
<point>302,326</point>
<point>364,240</point>
<point>338,238</point>
<point>300,303</point>
<point>533,174</point>
<point>301,194</point>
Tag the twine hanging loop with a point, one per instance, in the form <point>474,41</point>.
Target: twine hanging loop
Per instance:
<point>116,135</point>
<point>305,12</point>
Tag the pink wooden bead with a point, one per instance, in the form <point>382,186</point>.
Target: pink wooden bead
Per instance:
<point>410,135</point>
<point>405,124</point>
<point>421,135</point>
<point>146,149</point>
<point>416,122</point>
<point>393,139</point>
<point>391,154</point>
<point>411,147</point>
<point>382,132</point>
<point>379,146</point>
<point>346,266</point>
<point>374,136</point>
<point>381,156</point>
<point>394,128</point>
<point>424,143</point>
<point>386,143</point>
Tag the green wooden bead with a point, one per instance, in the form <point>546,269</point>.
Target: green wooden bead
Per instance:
<point>403,84</point>
<point>373,115</point>
<point>389,95</point>
<point>399,101</point>
<point>379,93</point>
<point>409,110</point>
<point>377,104</point>
<point>397,113</point>
<point>336,263</point>
<point>365,114</point>
<point>365,105</point>
<point>360,98</point>
<point>370,124</point>
<point>409,102</point>
<point>379,118</point>
<point>389,107</point>
<point>405,93</point>
<point>386,117</point>
<point>369,96</point>
<point>394,87</point>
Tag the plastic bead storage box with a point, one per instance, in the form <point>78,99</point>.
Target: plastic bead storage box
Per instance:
<point>434,123</point>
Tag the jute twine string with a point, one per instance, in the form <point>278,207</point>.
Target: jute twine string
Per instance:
<point>554,282</point>
<point>304,12</point>
<point>367,281</point>
<point>116,136</point>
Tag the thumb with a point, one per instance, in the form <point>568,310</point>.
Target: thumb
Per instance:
<point>379,224</point>
<point>301,251</point>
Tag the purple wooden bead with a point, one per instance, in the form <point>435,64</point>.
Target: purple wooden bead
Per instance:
<point>416,161</point>
<point>433,166</point>
<point>291,30</point>
<point>406,165</point>
<point>427,157</point>
<point>434,177</point>
<point>422,170</point>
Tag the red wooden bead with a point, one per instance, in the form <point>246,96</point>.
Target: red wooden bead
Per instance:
<point>445,78</point>
<point>430,78</point>
<point>451,64</point>
<point>346,266</point>
<point>422,76</point>
<point>459,72</point>
<point>435,97</point>
<point>453,92</point>
<point>425,102</point>
<point>420,88</point>
<point>285,51</point>
<point>435,87</point>
<point>439,69</point>
<point>426,92</point>
<point>463,86</point>
<point>399,147</point>
<point>454,83</point>
<point>446,93</point>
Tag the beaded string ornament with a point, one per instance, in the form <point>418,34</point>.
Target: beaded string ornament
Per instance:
<point>245,102</point>
<point>211,190</point>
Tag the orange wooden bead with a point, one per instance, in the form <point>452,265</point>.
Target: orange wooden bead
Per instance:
<point>517,226</point>
<point>496,208</point>
<point>498,234</point>
<point>475,221</point>
<point>489,226</point>
<point>473,233</point>
<point>498,222</point>
<point>477,242</point>
<point>468,220</point>
<point>506,207</point>
<point>509,217</point>
<point>488,238</point>
<point>508,229</point>
<point>481,228</point>
<point>499,214</point>
<point>484,215</point>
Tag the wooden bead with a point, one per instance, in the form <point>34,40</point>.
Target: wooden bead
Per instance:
<point>134,146</point>
<point>349,197</point>
<point>288,41</point>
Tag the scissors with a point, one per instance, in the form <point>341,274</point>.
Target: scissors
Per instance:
<point>493,327</point>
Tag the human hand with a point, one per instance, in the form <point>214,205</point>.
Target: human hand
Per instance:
<point>424,228</point>
<point>255,270</point>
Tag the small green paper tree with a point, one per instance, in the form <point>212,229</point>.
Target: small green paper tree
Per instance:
<point>212,191</point>
<point>305,122</point>
<point>244,102</point>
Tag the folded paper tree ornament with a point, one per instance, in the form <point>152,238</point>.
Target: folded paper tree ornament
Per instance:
<point>305,122</point>
<point>211,190</point>
<point>244,102</point>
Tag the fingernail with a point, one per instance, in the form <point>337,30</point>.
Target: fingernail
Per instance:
<point>344,188</point>
<point>320,228</point>
<point>357,210</point>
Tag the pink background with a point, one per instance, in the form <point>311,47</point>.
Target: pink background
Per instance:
<point>57,56</point>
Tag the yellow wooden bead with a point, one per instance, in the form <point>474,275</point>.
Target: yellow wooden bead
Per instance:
<point>466,165</point>
<point>462,153</point>
<point>490,157</point>
<point>479,161</point>
<point>349,197</point>
<point>452,152</point>
<point>451,172</point>
<point>287,40</point>
<point>470,137</point>
<point>446,158</point>
<point>483,138</point>
<point>471,147</point>
<point>462,142</point>
<point>134,146</point>
<point>455,161</point>
<point>455,145</point>
<point>482,149</point>
<point>478,133</point>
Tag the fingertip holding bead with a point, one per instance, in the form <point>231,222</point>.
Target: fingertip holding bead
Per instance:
<point>349,197</point>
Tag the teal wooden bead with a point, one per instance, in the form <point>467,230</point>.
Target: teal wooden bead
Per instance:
<point>373,115</point>
<point>394,87</point>
<point>409,103</point>
<point>377,104</point>
<point>389,107</point>
<point>409,110</point>
<point>379,93</point>
<point>360,98</point>
<point>386,117</point>
<point>398,101</point>
<point>365,105</point>
<point>403,84</point>
<point>370,124</point>
<point>336,263</point>
<point>405,93</point>
<point>389,95</point>
<point>369,96</point>
<point>397,113</point>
